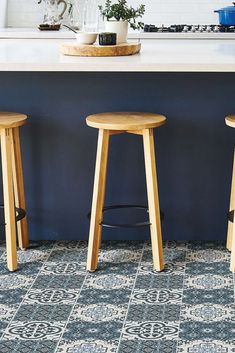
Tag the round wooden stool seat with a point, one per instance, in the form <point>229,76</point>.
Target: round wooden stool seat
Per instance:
<point>230,120</point>
<point>125,121</point>
<point>11,120</point>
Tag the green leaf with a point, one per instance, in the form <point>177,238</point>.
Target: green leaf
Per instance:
<point>121,11</point>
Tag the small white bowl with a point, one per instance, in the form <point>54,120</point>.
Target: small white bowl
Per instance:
<point>86,37</point>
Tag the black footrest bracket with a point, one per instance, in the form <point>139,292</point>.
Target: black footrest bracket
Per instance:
<point>20,214</point>
<point>231,216</point>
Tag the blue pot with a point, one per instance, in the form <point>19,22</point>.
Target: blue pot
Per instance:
<point>227,15</point>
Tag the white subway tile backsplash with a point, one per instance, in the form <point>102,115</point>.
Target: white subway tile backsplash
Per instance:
<point>27,13</point>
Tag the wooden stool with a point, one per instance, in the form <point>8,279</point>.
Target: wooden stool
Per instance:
<point>230,121</point>
<point>13,185</point>
<point>118,123</point>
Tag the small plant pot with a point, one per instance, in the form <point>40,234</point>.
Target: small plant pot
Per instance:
<point>107,38</point>
<point>119,27</point>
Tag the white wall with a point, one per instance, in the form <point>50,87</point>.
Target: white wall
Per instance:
<point>27,13</point>
<point>23,13</point>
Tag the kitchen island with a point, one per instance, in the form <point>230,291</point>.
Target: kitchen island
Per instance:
<point>156,56</point>
<point>191,82</point>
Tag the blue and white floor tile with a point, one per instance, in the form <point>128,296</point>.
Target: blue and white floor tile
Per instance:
<point>52,305</point>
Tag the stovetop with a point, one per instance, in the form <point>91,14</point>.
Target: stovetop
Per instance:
<point>184,28</point>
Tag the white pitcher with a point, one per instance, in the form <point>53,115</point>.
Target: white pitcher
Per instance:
<point>53,15</point>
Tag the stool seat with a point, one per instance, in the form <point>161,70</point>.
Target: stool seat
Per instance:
<point>230,120</point>
<point>124,121</point>
<point>11,120</point>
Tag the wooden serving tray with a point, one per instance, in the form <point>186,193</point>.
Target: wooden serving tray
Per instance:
<point>98,50</point>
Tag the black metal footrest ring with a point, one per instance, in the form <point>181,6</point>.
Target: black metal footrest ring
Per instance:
<point>125,225</point>
<point>20,214</point>
<point>231,216</point>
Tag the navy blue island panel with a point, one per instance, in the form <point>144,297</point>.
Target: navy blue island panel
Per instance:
<point>194,149</point>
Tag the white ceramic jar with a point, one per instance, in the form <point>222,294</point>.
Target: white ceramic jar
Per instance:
<point>3,13</point>
<point>119,27</point>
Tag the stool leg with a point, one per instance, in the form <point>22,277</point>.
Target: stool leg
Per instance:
<point>18,181</point>
<point>231,207</point>
<point>153,201</point>
<point>98,200</point>
<point>8,193</point>
<point>232,262</point>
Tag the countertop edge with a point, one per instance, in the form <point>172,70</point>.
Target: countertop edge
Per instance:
<point>71,67</point>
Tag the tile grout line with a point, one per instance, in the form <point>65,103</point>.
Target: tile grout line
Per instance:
<point>133,288</point>
<point>10,322</point>
<point>63,330</point>
<point>184,275</point>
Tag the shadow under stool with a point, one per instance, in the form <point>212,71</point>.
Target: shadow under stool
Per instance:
<point>110,124</point>
<point>230,121</point>
<point>13,186</point>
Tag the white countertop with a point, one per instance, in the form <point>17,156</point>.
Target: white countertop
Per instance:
<point>63,33</point>
<point>156,56</point>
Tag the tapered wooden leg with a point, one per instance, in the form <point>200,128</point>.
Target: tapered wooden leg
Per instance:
<point>18,181</point>
<point>8,193</point>
<point>231,207</point>
<point>98,200</point>
<point>153,200</point>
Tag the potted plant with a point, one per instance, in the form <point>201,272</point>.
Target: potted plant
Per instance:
<point>118,15</point>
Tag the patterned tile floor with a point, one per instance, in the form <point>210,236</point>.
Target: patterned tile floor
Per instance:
<point>51,305</point>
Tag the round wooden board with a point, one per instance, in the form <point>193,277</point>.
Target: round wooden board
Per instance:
<point>98,50</point>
